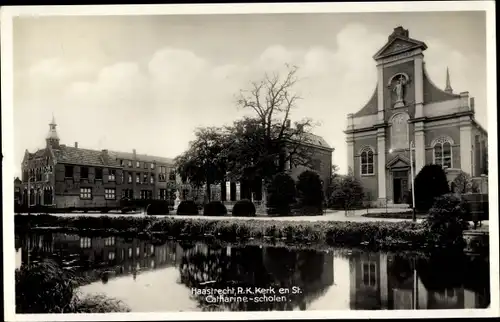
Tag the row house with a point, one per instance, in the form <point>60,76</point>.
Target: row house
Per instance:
<point>69,176</point>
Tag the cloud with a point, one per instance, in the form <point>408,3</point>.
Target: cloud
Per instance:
<point>154,105</point>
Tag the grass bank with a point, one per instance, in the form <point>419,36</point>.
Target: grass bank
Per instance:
<point>372,235</point>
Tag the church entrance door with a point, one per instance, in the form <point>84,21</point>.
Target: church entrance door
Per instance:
<point>400,185</point>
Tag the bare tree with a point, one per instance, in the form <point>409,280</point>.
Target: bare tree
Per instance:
<point>267,141</point>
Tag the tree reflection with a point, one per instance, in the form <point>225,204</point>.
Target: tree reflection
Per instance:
<point>254,266</point>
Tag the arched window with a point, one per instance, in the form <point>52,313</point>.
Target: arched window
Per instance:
<point>399,131</point>
<point>367,167</point>
<point>442,152</point>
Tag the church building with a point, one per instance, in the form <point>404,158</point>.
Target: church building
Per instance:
<point>408,112</point>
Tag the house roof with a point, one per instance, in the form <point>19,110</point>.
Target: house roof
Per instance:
<point>72,155</point>
<point>140,157</point>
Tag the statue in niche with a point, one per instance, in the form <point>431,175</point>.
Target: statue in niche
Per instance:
<point>399,89</point>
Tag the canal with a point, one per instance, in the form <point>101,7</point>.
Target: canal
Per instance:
<point>162,276</point>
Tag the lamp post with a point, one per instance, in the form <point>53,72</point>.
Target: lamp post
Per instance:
<point>411,148</point>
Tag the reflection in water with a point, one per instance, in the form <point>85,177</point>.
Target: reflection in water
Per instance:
<point>161,276</point>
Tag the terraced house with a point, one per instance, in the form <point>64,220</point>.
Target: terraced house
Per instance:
<point>69,176</point>
<point>408,112</point>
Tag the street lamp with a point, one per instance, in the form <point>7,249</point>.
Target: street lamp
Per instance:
<point>411,148</point>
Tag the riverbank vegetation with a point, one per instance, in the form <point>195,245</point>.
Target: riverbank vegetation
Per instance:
<point>45,287</point>
<point>375,235</point>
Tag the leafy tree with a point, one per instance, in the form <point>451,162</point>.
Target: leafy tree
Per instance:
<point>430,183</point>
<point>347,192</point>
<point>463,183</point>
<point>310,190</point>
<point>202,163</point>
<point>282,194</point>
<point>261,145</point>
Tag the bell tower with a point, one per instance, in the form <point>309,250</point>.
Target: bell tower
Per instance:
<point>52,138</point>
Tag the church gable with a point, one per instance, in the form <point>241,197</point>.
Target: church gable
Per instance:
<point>398,161</point>
<point>399,42</point>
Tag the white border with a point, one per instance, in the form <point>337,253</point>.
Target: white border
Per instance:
<point>7,13</point>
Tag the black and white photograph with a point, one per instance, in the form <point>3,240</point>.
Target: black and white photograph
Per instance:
<point>304,160</point>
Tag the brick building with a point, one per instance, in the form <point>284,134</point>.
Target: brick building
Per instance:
<point>408,109</point>
<point>69,176</point>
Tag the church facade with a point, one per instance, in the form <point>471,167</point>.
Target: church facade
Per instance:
<point>409,113</point>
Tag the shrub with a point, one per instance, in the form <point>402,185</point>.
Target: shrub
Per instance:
<point>282,193</point>
<point>45,287</point>
<point>310,191</point>
<point>244,208</point>
<point>214,208</point>
<point>430,183</point>
<point>463,183</point>
<point>447,219</point>
<point>187,207</point>
<point>347,193</point>
<point>158,207</point>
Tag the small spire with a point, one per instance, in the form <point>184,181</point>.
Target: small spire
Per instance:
<point>448,88</point>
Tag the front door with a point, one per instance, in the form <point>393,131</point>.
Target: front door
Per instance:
<point>400,185</point>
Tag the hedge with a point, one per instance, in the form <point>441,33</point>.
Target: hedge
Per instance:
<point>214,208</point>
<point>244,208</point>
<point>187,207</point>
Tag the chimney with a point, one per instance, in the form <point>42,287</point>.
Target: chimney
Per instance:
<point>472,103</point>
<point>76,145</point>
<point>135,154</point>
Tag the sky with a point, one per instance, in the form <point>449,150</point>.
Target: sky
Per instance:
<point>146,82</point>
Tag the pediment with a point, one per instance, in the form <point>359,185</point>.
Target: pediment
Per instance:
<point>398,161</point>
<point>398,45</point>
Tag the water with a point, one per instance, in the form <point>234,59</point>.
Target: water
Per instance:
<point>152,276</point>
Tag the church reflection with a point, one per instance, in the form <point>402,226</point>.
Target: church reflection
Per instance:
<point>390,282</point>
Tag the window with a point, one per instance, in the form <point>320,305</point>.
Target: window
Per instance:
<point>163,194</point>
<point>122,163</point>
<point>109,241</point>
<point>112,175</point>
<point>369,273</point>
<point>130,252</point>
<point>367,161</point>
<point>98,173</point>
<point>152,166</point>
<point>162,177</point>
<point>129,163</point>
<point>145,178</point>
<point>399,131</point>
<point>137,178</point>
<point>152,249</point>
<point>137,251</point>
<point>129,176</point>
<point>110,194</point>
<point>86,193</point>
<point>111,256</point>
<point>145,165</point>
<point>68,171</point>
<point>163,169</point>
<point>84,173</point>
<point>146,194</point>
<point>85,242</point>
<point>171,175</point>
<point>152,179</point>
<point>442,150</point>
<point>137,164</point>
